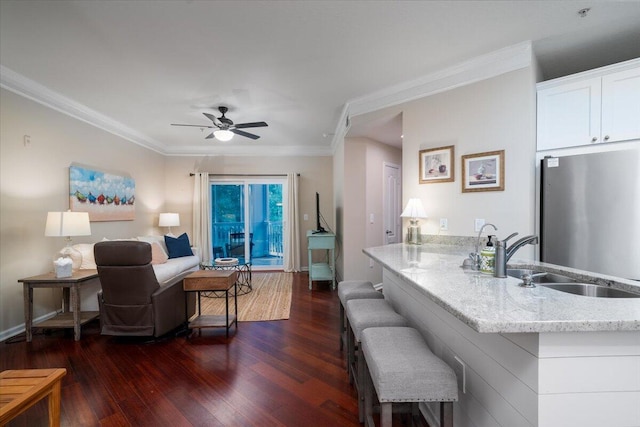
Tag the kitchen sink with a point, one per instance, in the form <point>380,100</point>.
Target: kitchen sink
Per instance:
<point>590,290</point>
<point>543,278</point>
<point>562,283</point>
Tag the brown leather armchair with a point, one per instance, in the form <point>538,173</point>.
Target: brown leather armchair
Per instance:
<point>132,302</point>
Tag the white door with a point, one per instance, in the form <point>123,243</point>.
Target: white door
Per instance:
<point>391,200</point>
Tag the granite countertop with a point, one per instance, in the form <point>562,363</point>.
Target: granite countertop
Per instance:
<point>492,305</point>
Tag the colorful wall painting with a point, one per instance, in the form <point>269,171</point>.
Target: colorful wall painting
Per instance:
<point>105,196</point>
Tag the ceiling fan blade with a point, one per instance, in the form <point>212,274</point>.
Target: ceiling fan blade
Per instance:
<point>251,125</point>
<point>210,136</point>
<point>195,126</point>
<point>245,134</point>
<point>211,117</point>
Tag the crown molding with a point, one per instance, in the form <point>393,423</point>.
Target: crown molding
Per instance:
<point>482,67</point>
<point>36,92</point>
<point>254,151</point>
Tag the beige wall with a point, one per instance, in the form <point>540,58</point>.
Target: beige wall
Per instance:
<point>35,180</point>
<point>315,176</point>
<point>355,195</point>
<point>494,114</point>
<point>363,191</point>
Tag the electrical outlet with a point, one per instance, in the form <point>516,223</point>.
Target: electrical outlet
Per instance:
<point>478,224</point>
<point>444,224</point>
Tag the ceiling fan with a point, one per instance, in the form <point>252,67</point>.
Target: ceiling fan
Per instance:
<point>223,127</point>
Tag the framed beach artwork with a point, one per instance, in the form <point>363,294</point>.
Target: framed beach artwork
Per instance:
<point>483,172</point>
<point>437,165</point>
<point>105,196</point>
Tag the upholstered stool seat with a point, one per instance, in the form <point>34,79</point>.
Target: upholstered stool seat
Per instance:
<point>402,368</point>
<point>363,314</point>
<point>353,289</point>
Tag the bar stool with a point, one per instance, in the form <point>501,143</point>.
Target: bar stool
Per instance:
<point>363,314</point>
<point>353,289</point>
<point>402,369</point>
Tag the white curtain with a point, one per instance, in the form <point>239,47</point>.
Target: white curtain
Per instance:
<point>292,226</point>
<point>202,215</point>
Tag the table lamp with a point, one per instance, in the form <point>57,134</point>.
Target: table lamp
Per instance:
<point>169,220</point>
<point>414,211</point>
<point>68,224</point>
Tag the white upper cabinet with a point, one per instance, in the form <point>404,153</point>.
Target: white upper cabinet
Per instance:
<point>621,106</point>
<point>596,106</point>
<point>569,115</point>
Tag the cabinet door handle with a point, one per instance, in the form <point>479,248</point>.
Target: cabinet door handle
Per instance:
<point>594,139</point>
<point>606,137</point>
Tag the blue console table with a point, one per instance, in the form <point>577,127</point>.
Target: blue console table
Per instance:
<point>322,270</point>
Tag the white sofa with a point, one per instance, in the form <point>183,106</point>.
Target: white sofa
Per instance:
<point>166,272</point>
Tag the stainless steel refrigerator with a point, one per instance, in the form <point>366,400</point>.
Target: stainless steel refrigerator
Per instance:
<point>590,216</point>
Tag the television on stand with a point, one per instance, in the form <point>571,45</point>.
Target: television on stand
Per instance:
<point>319,228</point>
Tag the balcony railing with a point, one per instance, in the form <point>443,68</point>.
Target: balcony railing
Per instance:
<point>267,238</point>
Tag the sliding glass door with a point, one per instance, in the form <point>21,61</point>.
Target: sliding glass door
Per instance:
<point>247,220</point>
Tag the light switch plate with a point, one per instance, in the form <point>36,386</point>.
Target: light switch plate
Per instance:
<point>478,224</point>
<point>444,224</point>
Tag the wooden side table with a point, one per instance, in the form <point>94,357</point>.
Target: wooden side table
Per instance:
<point>70,298</point>
<point>21,389</point>
<point>213,281</point>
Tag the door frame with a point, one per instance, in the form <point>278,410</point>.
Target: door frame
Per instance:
<point>246,182</point>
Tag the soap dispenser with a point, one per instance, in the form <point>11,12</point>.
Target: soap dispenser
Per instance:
<point>488,258</point>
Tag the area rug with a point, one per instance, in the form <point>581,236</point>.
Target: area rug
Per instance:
<point>270,299</point>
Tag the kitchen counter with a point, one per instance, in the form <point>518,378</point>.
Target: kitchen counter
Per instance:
<point>488,304</point>
<point>522,356</point>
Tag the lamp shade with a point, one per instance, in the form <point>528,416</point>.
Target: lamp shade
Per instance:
<point>67,224</point>
<point>223,135</point>
<point>169,220</point>
<point>414,209</point>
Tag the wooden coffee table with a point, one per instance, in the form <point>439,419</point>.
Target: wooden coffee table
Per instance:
<point>213,281</point>
<point>21,389</point>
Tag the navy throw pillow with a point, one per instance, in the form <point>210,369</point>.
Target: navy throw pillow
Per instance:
<point>178,246</point>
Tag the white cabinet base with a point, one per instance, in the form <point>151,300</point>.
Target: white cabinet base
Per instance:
<point>528,379</point>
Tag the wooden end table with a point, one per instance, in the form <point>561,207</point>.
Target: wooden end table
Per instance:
<point>70,294</point>
<point>23,388</point>
<point>213,281</point>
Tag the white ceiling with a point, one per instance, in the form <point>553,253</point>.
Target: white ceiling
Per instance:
<point>142,65</point>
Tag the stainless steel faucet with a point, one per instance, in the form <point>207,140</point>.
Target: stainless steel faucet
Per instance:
<point>475,256</point>
<point>504,254</point>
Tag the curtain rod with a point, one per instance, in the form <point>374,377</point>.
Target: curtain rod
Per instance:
<point>245,174</point>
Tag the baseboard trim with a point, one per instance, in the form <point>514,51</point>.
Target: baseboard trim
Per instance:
<point>17,330</point>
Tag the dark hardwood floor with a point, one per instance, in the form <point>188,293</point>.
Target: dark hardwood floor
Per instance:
<point>280,373</point>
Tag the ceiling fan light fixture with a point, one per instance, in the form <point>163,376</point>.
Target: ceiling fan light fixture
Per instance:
<point>223,135</point>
